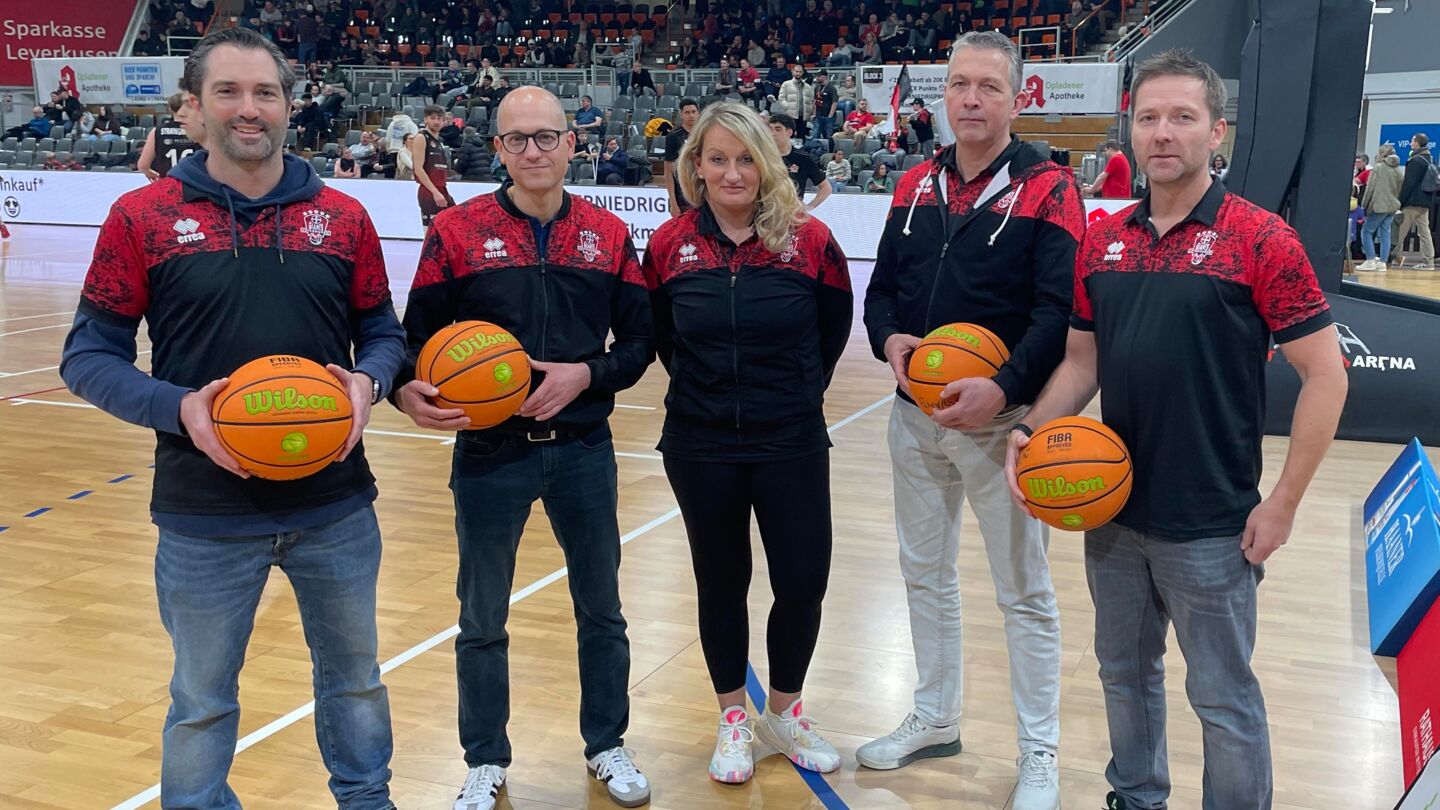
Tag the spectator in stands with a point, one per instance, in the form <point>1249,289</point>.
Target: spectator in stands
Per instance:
<point>332,101</point>
<point>365,151</point>
<point>725,79</point>
<point>1104,11</point>
<point>270,18</point>
<point>180,26</point>
<point>70,108</point>
<point>797,100</point>
<point>689,114</point>
<point>1114,182</point>
<point>880,181</point>
<point>588,119</point>
<point>107,125</point>
<point>621,63</point>
<point>641,82</point>
<point>749,87</point>
<point>871,53</point>
<point>309,123</point>
<point>825,104</point>
<point>922,36</point>
<point>842,56</point>
<point>1360,177</point>
<point>689,56</point>
<point>307,37</point>
<point>755,53</point>
<point>776,76</point>
<point>149,43</point>
<point>849,96</point>
<point>483,94</point>
<point>346,167</point>
<point>894,147</point>
<point>922,123</point>
<point>859,124</point>
<point>893,35</point>
<point>537,57</point>
<point>637,44</point>
<point>870,28</point>
<point>39,126</point>
<point>1219,168</point>
<point>611,164</point>
<point>837,171</point>
<point>791,39</point>
<point>803,168</point>
<point>475,158</point>
<point>454,83</point>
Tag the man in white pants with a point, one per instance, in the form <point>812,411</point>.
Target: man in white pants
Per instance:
<point>984,233</point>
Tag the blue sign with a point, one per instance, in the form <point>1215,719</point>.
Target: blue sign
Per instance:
<point>1399,135</point>
<point>1402,549</point>
<point>142,79</point>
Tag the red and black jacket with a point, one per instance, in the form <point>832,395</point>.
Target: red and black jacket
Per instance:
<point>750,337</point>
<point>559,288</point>
<point>1001,254</point>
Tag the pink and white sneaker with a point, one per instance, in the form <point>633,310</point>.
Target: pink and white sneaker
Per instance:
<point>732,762</point>
<point>794,735</point>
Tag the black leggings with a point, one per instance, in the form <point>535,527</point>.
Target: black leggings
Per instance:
<point>791,501</point>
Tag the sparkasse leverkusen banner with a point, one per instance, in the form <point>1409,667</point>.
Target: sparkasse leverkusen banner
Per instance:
<point>32,29</point>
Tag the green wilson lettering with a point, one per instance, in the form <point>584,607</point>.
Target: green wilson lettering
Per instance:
<point>1043,489</point>
<point>964,337</point>
<point>289,399</point>
<point>476,343</point>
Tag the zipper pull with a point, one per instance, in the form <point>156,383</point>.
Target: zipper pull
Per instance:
<point>944,247</point>
<point>733,277</point>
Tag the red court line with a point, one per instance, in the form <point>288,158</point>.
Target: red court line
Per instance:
<point>34,393</point>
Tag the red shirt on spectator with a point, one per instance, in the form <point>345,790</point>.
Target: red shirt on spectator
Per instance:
<point>749,76</point>
<point>1117,179</point>
<point>859,119</point>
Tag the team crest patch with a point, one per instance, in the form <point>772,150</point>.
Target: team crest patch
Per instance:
<point>1203,248</point>
<point>589,245</point>
<point>1004,203</point>
<point>317,226</point>
<point>792,248</point>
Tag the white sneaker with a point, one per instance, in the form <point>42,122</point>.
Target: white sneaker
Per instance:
<point>480,789</point>
<point>1366,266</point>
<point>1379,266</point>
<point>733,763</point>
<point>1038,785</point>
<point>914,739</point>
<point>794,735</point>
<point>616,768</point>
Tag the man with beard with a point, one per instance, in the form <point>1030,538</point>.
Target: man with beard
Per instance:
<point>242,252</point>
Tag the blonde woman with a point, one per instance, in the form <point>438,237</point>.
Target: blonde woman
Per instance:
<point>752,305</point>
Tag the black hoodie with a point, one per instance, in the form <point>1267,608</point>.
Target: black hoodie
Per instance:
<point>1007,263</point>
<point>222,279</point>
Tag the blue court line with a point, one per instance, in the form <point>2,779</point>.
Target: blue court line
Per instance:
<point>121,478</point>
<point>813,780</point>
<point>38,512</point>
<point>82,493</point>
<point>3,528</point>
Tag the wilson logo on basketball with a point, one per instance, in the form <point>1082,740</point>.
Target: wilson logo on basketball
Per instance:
<point>288,399</point>
<point>1049,489</point>
<point>477,343</point>
<point>952,332</point>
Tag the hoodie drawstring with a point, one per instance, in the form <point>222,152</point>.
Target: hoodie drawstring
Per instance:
<point>280,242</point>
<point>925,184</point>
<point>234,227</point>
<point>1008,210</point>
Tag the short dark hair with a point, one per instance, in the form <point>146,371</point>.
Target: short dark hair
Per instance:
<point>688,102</point>
<point>433,109</point>
<point>176,101</point>
<point>1363,156</point>
<point>1114,145</point>
<point>587,98</point>
<point>1422,139</point>
<point>307,97</point>
<point>193,78</point>
<point>1182,62</point>
<point>783,120</point>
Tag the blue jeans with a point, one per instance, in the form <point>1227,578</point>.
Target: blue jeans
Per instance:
<point>1139,584</point>
<point>495,482</point>
<point>1376,222</point>
<point>208,591</point>
<point>305,53</point>
<point>824,128</point>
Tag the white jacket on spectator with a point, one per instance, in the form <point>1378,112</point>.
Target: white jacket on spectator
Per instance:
<point>795,95</point>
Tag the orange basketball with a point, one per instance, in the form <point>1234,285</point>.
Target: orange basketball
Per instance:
<point>952,352</point>
<point>282,417</point>
<point>479,368</point>
<point>1075,474</point>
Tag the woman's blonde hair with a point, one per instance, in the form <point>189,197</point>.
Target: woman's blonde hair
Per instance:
<point>778,210</point>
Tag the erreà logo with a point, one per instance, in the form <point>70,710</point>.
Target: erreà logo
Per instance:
<point>687,254</point>
<point>495,248</point>
<point>189,231</point>
<point>477,343</point>
<point>1114,251</point>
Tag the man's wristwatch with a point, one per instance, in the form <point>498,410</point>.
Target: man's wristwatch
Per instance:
<point>374,387</point>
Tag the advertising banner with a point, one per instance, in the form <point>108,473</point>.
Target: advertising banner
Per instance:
<point>1054,88</point>
<point>112,80</point>
<point>58,28</point>
<point>84,198</point>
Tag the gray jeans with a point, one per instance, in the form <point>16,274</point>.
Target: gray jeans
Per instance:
<point>1140,583</point>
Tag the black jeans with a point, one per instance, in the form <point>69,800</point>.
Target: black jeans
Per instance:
<point>495,482</point>
<point>791,502</point>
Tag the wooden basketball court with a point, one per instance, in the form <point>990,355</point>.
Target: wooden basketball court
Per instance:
<point>85,661</point>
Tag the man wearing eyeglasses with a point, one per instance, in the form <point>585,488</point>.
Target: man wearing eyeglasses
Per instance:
<point>559,273</point>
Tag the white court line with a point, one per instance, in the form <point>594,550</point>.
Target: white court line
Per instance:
<point>36,329</point>
<point>49,402</point>
<point>153,792</point>
<point>636,407</point>
<point>4,374</point>
<point>33,317</point>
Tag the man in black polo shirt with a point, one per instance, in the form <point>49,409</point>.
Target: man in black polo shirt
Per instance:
<point>803,168</point>
<point>1176,301</point>
<point>689,114</point>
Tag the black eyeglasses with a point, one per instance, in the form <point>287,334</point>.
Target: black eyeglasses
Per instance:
<point>516,142</point>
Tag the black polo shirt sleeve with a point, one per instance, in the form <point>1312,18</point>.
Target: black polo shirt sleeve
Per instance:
<point>1286,292</point>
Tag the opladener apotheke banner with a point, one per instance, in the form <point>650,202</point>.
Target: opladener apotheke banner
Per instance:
<point>1053,88</point>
